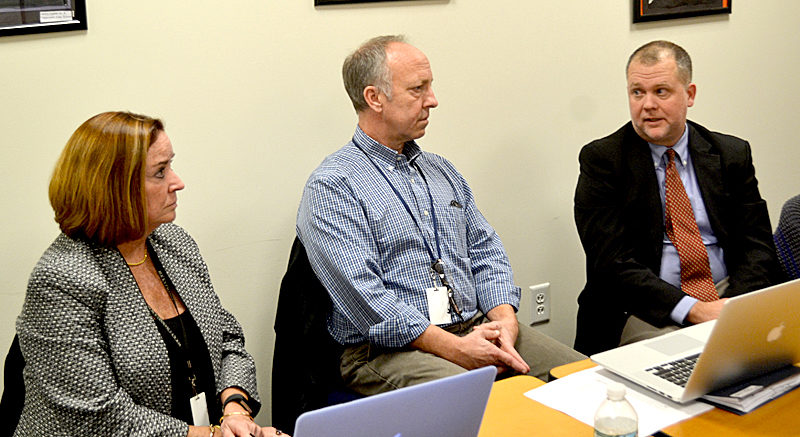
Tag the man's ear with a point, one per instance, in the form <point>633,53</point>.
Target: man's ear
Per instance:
<point>372,96</point>
<point>691,92</point>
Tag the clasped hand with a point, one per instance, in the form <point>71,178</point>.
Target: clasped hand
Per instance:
<point>492,344</point>
<point>705,311</point>
<point>243,426</point>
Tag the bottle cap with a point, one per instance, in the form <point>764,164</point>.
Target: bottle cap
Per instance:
<point>615,391</point>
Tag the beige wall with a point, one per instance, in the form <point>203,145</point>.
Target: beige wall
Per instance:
<point>253,101</point>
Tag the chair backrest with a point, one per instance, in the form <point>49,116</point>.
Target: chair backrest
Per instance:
<point>787,237</point>
<point>14,390</point>
<point>305,363</point>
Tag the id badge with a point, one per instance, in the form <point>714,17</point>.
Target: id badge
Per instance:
<point>438,305</point>
<point>199,409</point>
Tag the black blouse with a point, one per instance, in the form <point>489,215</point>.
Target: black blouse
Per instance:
<point>201,366</point>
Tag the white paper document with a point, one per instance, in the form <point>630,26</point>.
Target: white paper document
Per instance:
<point>580,394</point>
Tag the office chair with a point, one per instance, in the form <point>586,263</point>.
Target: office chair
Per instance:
<point>787,238</point>
<point>305,362</point>
<point>14,390</point>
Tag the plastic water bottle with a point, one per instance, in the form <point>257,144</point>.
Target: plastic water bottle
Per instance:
<point>616,417</point>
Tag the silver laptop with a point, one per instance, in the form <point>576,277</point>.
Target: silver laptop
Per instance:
<point>450,406</point>
<point>755,333</point>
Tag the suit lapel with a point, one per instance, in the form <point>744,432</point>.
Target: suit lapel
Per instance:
<point>136,347</point>
<point>194,292</point>
<point>644,183</point>
<point>708,168</point>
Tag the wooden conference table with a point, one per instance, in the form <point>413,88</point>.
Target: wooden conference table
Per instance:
<point>510,414</point>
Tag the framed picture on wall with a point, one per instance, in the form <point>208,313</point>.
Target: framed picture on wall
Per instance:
<point>19,17</point>
<point>651,10</point>
<point>341,2</point>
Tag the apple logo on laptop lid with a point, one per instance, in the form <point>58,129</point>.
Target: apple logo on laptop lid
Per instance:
<point>775,333</point>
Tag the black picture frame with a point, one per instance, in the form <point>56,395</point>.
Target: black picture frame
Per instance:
<point>22,17</point>
<point>343,2</point>
<point>653,10</point>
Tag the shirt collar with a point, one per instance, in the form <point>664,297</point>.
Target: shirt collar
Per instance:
<point>411,149</point>
<point>681,149</point>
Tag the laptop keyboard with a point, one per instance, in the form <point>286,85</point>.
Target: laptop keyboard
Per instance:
<point>676,372</point>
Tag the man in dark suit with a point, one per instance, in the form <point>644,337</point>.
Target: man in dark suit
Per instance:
<point>640,280</point>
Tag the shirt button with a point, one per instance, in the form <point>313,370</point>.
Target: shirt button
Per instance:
<point>425,212</point>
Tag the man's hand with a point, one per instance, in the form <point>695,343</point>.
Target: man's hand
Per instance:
<point>504,319</point>
<point>705,311</point>
<point>488,347</point>
<point>489,344</point>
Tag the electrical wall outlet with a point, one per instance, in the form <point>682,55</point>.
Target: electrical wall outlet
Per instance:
<point>540,307</point>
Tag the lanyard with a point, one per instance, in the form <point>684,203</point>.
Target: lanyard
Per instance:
<point>434,259</point>
<point>183,345</point>
<point>436,262</point>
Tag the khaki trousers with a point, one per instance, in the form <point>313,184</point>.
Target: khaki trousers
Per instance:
<point>369,370</point>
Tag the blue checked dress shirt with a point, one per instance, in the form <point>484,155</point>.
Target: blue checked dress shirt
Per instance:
<point>371,256</point>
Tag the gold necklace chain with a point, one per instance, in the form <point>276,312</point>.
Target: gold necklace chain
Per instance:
<point>139,263</point>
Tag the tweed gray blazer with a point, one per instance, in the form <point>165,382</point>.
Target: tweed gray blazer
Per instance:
<point>95,361</point>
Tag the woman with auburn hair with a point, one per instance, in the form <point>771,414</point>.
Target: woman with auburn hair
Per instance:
<point>121,330</point>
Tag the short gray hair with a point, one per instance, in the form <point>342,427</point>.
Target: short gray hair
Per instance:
<point>654,51</point>
<point>367,67</point>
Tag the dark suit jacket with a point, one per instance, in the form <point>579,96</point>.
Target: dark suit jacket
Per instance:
<point>621,225</point>
<point>305,363</point>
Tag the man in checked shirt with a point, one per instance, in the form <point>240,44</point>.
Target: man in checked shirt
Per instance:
<point>421,284</point>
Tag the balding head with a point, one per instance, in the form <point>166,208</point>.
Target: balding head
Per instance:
<point>367,66</point>
<point>656,51</point>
